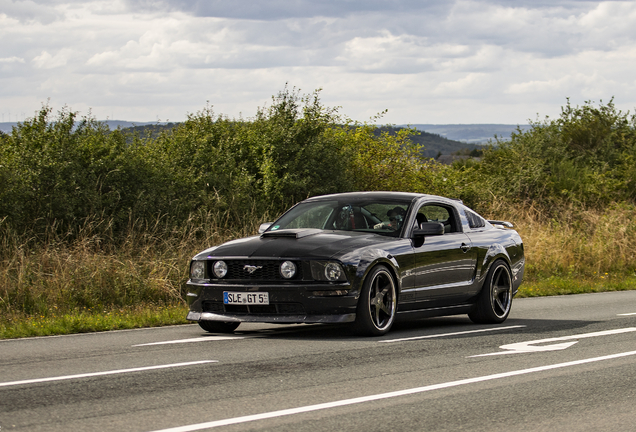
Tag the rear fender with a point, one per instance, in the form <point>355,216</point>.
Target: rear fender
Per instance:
<point>494,252</point>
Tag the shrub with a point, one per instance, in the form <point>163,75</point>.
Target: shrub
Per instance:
<point>585,158</point>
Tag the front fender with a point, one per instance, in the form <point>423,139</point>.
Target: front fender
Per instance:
<point>368,259</point>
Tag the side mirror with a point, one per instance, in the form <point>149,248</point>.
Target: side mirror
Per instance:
<point>428,229</point>
<point>264,226</point>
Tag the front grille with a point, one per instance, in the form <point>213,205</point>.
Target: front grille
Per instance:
<point>265,270</point>
<point>272,309</point>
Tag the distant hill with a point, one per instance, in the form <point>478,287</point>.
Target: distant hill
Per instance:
<point>434,144</point>
<point>152,129</point>
<point>471,133</point>
<point>123,124</point>
<point>436,139</point>
<point>112,124</point>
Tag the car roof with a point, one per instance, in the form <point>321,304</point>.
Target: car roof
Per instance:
<point>410,196</point>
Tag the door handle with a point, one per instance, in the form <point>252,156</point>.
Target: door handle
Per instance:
<point>464,247</point>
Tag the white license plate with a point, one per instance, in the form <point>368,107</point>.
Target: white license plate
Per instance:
<point>245,298</point>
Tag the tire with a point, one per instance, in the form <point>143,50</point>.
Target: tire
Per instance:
<point>495,299</point>
<point>218,326</point>
<point>377,305</point>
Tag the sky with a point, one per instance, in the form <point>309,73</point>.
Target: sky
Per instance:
<point>426,61</point>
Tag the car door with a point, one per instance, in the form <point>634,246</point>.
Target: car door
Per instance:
<point>444,265</point>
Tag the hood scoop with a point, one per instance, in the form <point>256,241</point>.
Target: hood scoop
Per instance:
<point>291,233</point>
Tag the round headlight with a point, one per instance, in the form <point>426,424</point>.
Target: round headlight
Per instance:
<point>197,270</point>
<point>333,272</point>
<point>288,269</point>
<point>220,269</point>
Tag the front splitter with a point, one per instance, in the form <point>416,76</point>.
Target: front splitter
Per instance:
<point>273,319</point>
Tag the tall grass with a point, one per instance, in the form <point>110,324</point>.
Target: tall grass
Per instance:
<point>93,274</point>
<point>583,244</point>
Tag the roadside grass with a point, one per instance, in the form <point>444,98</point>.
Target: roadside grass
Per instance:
<point>92,283</point>
<point>563,285</point>
<point>89,320</point>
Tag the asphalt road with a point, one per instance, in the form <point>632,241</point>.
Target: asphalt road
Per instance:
<point>560,363</point>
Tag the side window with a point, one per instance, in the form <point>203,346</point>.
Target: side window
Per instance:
<point>474,221</point>
<point>438,213</point>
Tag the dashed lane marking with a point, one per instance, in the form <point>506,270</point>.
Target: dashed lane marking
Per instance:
<point>200,339</point>
<point>112,372</point>
<point>452,334</point>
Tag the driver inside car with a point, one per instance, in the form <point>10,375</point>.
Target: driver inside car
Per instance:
<point>395,220</point>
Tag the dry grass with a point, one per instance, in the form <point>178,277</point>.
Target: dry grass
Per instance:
<point>147,269</point>
<point>581,244</point>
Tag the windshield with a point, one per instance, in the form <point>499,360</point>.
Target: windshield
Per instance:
<point>382,217</point>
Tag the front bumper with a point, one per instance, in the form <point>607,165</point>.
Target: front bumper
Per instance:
<point>290,303</point>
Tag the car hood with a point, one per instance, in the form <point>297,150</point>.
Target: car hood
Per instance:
<point>303,243</point>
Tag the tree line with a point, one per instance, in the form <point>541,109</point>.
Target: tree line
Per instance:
<point>60,171</point>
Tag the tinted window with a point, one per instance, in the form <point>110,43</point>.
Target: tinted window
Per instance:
<point>474,220</point>
<point>380,217</point>
<point>438,213</point>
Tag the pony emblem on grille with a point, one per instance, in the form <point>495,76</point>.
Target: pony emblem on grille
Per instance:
<point>251,269</point>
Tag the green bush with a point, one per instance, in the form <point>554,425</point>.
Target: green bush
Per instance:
<point>59,172</point>
<point>586,158</point>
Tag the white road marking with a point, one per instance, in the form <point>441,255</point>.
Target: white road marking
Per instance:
<point>344,402</point>
<point>452,334</point>
<point>112,372</point>
<point>530,346</point>
<point>200,339</point>
<point>627,314</point>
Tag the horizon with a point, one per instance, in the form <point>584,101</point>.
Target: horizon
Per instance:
<point>468,133</point>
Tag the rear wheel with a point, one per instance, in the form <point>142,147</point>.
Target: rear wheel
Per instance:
<point>218,326</point>
<point>495,300</point>
<point>377,304</point>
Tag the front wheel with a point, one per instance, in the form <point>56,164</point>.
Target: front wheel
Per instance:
<point>495,300</point>
<point>218,326</point>
<point>377,304</point>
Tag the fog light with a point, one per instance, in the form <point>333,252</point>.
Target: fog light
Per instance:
<point>220,269</point>
<point>288,269</point>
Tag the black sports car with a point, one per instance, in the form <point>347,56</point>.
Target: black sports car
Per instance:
<point>364,258</point>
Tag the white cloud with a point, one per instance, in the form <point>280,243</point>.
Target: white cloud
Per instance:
<point>463,61</point>
<point>48,61</point>
<point>13,59</point>
<point>27,11</point>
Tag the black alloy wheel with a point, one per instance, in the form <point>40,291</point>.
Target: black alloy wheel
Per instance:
<point>377,304</point>
<point>495,300</point>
